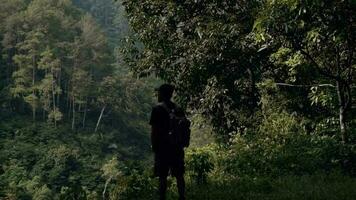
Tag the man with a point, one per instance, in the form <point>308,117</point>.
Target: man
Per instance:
<point>168,157</point>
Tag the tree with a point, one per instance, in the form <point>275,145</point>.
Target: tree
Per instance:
<point>206,49</point>
<point>91,59</point>
<point>109,95</point>
<point>81,83</point>
<point>217,52</point>
<point>39,31</point>
<point>8,18</point>
<point>50,85</point>
<point>320,35</point>
<point>110,14</point>
<point>26,75</point>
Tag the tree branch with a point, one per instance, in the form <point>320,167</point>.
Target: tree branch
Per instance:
<point>308,86</point>
<point>311,59</point>
<point>305,86</point>
<point>348,102</point>
<point>350,44</point>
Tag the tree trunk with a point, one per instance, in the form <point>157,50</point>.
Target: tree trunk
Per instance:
<point>69,108</point>
<point>106,186</point>
<point>85,113</point>
<point>65,91</point>
<point>252,89</point>
<point>34,114</point>
<point>342,110</point>
<point>43,114</point>
<point>342,125</point>
<point>54,105</point>
<point>59,84</point>
<point>80,105</point>
<point>33,89</point>
<point>73,110</point>
<point>100,117</point>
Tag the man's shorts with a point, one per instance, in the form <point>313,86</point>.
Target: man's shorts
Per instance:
<point>169,161</point>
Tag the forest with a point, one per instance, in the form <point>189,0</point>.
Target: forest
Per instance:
<point>267,84</point>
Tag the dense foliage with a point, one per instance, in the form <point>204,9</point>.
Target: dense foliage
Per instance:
<point>275,80</point>
<point>268,85</point>
<point>67,104</point>
<point>218,53</point>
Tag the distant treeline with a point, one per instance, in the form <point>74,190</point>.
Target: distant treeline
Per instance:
<point>56,64</point>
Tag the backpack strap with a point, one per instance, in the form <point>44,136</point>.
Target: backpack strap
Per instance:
<point>166,108</point>
<point>170,113</point>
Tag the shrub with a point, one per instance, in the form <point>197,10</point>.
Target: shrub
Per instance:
<point>280,147</point>
<point>136,183</point>
<point>200,163</point>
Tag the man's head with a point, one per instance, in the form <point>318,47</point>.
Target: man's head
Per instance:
<point>165,92</point>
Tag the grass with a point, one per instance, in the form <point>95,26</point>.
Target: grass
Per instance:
<point>314,187</point>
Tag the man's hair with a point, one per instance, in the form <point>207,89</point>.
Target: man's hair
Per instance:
<point>166,90</point>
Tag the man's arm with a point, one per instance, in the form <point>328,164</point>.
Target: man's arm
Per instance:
<point>154,129</point>
<point>154,138</point>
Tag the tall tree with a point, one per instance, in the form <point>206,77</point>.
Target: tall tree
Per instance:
<point>206,49</point>
<point>49,88</point>
<point>26,75</point>
<point>91,58</point>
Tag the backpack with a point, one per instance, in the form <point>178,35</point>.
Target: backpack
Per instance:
<point>179,127</point>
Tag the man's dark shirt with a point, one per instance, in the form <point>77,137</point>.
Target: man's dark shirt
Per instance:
<point>160,124</point>
<point>166,157</point>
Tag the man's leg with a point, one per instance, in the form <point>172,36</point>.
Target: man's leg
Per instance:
<point>178,171</point>
<point>161,170</point>
<point>162,187</point>
<point>181,186</point>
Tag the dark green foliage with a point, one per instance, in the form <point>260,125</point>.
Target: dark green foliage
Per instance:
<point>111,15</point>
<point>219,52</point>
<point>204,48</point>
<point>58,68</point>
<point>200,164</point>
<point>137,184</point>
<point>268,86</point>
<point>320,186</point>
<point>58,158</point>
<point>318,38</point>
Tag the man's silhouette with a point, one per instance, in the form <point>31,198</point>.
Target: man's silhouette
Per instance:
<point>168,158</point>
